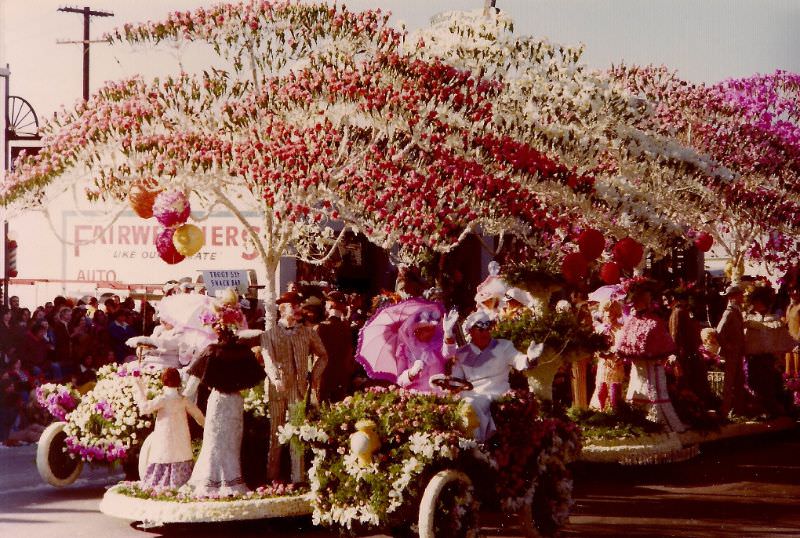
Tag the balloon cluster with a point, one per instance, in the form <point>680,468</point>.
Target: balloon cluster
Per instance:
<point>575,265</point>
<point>626,254</point>
<point>177,239</point>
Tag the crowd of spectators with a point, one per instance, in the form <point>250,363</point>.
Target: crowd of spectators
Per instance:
<point>63,341</point>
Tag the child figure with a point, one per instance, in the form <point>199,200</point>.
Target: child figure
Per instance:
<point>709,350</point>
<point>610,369</point>
<point>170,463</point>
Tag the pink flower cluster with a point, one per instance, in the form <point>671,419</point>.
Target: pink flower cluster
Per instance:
<point>224,316</point>
<point>110,452</point>
<point>105,409</point>
<point>59,402</point>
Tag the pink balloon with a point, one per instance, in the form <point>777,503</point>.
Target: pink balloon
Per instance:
<point>166,248</point>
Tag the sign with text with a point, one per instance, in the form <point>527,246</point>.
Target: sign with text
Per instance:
<point>124,250</point>
<point>221,279</point>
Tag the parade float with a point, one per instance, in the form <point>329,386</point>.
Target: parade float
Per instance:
<point>317,128</point>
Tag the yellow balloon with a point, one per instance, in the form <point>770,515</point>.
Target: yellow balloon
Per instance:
<point>188,239</point>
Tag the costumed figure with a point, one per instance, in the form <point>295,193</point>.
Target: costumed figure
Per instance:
<point>685,332</point>
<point>170,460</point>
<point>336,381</point>
<point>793,324</point>
<point>644,340</point>
<point>610,369</point>
<point>730,335</point>
<point>181,333</point>
<point>286,348</point>
<point>490,292</point>
<point>402,344</point>
<point>766,338</point>
<point>226,367</point>
<point>486,363</point>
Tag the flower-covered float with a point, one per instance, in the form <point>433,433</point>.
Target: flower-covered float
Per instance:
<point>385,457</point>
<point>101,427</point>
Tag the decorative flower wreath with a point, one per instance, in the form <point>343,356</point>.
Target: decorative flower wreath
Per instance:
<point>227,315</point>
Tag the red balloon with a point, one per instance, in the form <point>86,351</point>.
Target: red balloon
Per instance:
<point>610,273</point>
<point>627,253</point>
<point>166,248</point>
<point>574,267</point>
<point>703,242</point>
<point>591,243</point>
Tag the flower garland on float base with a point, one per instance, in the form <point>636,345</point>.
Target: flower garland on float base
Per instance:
<point>419,435</point>
<point>157,506</point>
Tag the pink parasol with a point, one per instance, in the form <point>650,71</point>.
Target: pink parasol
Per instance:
<point>612,292</point>
<point>185,311</point>
<point>381,338</point>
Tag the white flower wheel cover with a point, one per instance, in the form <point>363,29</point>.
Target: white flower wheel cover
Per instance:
<point>154,512</point>
<point>428,503</point>
<point>54,434</point>
<point>144,456</point>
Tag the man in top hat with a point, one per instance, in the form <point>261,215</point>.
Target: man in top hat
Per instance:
<point>486,363</point>
<point>335,333</point>
<point>730,335</point>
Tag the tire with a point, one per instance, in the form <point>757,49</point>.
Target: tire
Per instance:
<point>144,456</point>
<point>536,519</point>
<point>429,504</point>
<point>527,523</point>
<point>56,467</point>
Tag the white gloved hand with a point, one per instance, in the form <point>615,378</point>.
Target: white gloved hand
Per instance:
<point>450,321</point>
<point>415,369</point>
<point>534,352</point>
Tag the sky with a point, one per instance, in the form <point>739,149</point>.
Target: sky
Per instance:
<point>704,40</point>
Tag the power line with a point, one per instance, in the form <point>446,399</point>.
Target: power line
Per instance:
<point>87,13</point>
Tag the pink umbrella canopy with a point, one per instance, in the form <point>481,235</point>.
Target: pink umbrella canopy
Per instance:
<point>381,338</point>
<point>185,311</point>
<point>612,292</point>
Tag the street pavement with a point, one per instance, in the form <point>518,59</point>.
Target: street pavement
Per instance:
<point>741,488</point>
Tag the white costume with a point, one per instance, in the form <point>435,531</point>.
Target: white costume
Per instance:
<point>488,371</point>
<point>171,442</point>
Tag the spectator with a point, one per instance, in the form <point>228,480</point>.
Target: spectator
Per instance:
<point>120,330</point>
<point>102,339</point>
<point>7,334</point>
<point>13,304</point>
<point>110,307</point>
<point>62,353</point>
<point>37,349</point>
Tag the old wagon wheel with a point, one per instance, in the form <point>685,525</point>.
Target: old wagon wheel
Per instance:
<point>21,119</point>
<point>448,507</point>
<point>56,466</point>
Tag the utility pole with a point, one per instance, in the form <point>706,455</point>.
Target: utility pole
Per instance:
<point>87,13</point>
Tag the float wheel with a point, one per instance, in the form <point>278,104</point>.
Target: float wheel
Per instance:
<point>448,497</point>
<point>56,466</point>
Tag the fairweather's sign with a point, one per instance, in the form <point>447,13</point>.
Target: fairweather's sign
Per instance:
<point>124,250</point>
